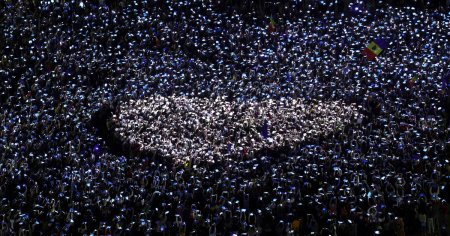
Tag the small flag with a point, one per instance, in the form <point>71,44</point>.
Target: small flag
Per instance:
<point>374,48</point>
<point>272,21</point>
<point>412,81</point>
<point>187,164</point>
<point>272,25</point>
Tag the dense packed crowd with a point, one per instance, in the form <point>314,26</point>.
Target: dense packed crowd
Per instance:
<point>200,129</point>
<point>384,172</point>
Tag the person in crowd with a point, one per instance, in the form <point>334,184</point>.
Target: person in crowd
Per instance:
<point>187,86</point>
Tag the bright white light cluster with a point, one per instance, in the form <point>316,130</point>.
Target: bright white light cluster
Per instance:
<point>190,128</point>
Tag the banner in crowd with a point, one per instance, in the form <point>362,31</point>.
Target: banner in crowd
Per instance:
<point>374,49</point>
<point>272,25</point>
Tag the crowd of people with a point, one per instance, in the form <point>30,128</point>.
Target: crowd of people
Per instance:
<point>193,129</point>
<point>382,170</point>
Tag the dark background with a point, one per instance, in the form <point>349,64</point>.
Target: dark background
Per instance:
<point>266,6</point>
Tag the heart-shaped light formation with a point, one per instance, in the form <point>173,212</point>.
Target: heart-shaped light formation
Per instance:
<point>186,128</point>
